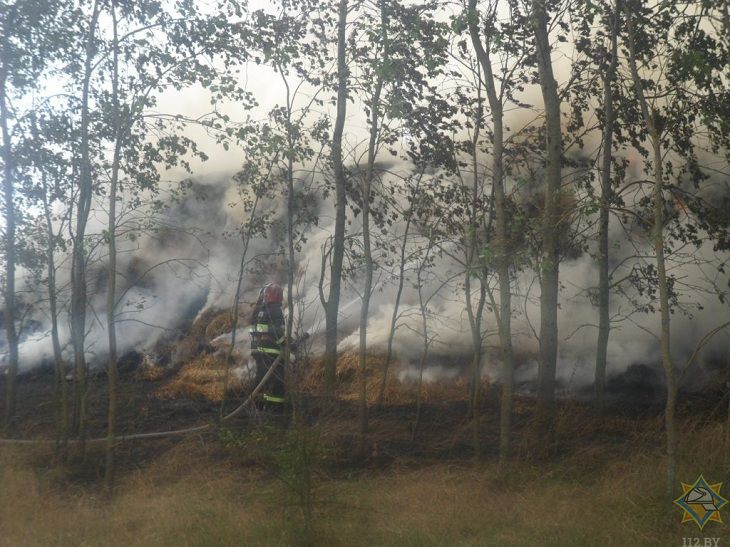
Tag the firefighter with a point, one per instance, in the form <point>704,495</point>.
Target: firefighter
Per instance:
<point>267,341</point>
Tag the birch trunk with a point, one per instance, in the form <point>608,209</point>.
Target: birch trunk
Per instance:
<point>658,241</point>
<point>604,325</point>
<point>332,306</point>
<point>549,274</point>
<point>112,371</point>
<point>78,268</point>
<point>10,252</point>
<point>504,316</point>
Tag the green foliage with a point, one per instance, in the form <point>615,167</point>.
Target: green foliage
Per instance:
<point>297,457</point>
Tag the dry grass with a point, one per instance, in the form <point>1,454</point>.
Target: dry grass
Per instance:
<point>201,378</point>
<point>190,496</point>
<point>176,502</point>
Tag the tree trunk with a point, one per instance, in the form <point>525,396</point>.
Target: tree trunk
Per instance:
<point>10,253</point>
<point>246,240</point>
<point>422,305</point>
<point>504,316</point>
<point>604,325</point>
<point>367,248</point>
<point>549,274</point>
<point>78,268</point>
<point>396,308</point>
<point>658,239</point>
<point>473,266</point>
<point>475,322</point>
<point>112,371</point>
<point>60,386</point>
<point>332,305</point>
<point>291,251</point>
<point>398,295</point>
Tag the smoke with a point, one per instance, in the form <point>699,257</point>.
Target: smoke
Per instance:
<point>172,274</point>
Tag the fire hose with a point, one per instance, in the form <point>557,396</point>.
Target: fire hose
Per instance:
<point>158,434</point>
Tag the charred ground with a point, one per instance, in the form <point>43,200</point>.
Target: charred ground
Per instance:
<point>263,479</point>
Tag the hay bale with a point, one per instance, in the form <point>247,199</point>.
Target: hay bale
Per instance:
<point>348,375</point>
<point>219,324</point>
<point>396,391</point>
<point>201,378</point>
<point>150,370</point>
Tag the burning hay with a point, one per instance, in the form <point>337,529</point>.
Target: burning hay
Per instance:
<point>396,390</point>
<point>219,324</point>
<point>204,377</point>
<point>149,370</point>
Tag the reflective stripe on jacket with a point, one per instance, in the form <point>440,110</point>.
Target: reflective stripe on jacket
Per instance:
<point>269,351</point>
<point>259,328</point>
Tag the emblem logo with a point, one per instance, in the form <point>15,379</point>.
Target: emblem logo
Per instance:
<point>701,502</point>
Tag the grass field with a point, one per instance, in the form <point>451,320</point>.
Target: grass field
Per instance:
<point>283,488</point>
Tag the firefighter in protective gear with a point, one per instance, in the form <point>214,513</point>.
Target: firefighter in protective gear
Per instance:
<point>267,342</point>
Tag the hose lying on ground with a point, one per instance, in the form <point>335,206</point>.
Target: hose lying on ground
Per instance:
<point>158,434</point>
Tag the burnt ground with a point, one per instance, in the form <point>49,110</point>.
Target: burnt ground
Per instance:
<point>630,419</point>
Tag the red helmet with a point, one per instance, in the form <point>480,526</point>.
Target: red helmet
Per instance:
<point>273,294</point>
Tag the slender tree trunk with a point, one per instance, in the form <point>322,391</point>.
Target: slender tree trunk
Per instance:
<point>473,266</point>
<point>475,322</point>
<point>368,287</point>
<point>78,268</point>
<point>727,419</point>
<point>396,305</point>
<point>332,305</point>
<point>375,119</point>
<point>291,251</point>
<point>246,240</point>
<point>504,316</point>
<point>60,385</point>
<point>549,274</point>
<point>394,316</point>
<point>670,410</point>
<point>472,260</point>
<point>10,253</point>
<point>658,239</point>
<point>112,370</point>
<point>426,341</point>
<point>604,325</point>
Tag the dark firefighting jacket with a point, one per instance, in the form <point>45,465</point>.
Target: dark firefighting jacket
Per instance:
<point>267,329</point>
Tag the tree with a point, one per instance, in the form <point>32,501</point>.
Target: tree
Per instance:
<point>396,41</point>
<point>332,303</point>
<point>116,140</point>
<point>549,267</point>
<point>609,118</point>
<point>424,262</point>
<point>83,209</point>
<point>413,185</point>
<point>375,107</point>
<point>51,172</point>
<point>498,92</point>
<point>668,106</point>
<point>33,37</point>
